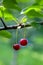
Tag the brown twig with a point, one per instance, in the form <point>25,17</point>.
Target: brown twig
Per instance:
<point>15,26</point>
<point>3,22</point>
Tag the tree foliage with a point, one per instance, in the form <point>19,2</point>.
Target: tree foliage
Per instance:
<point>21,11</point>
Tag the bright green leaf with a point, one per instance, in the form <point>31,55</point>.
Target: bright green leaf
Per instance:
<point>32,12</point>
<point>24,19</point>
<point>4,12</point>
<point>0,14</point>
<point>26,10</point>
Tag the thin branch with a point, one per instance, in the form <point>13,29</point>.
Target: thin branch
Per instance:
<point>41,23</point>
<point>16,26</point>
<point>3,22</point>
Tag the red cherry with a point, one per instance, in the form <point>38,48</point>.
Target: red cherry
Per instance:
<point>23,42</point>
<point>16,46</point>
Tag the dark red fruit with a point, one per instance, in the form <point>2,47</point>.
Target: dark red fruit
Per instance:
<point>23,42</point>
<point>16,46</point>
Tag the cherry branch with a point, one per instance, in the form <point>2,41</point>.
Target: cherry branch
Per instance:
<point>3,22</point>
<point>15,26</point>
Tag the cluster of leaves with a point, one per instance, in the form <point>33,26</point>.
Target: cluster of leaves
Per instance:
<point>21,10</point>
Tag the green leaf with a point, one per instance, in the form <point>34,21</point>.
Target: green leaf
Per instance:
<point>35,24</point>
<point>24,19</point>
<point>4,12</point>
<point>33,11</point>
<point>1,8</point>
<point>0,14</point>
<point>37,1</point>
<point>23,1</point>
<point>8,15</point>
<point>40,2</point>
<point>11,4</point>
<point>5,34</point>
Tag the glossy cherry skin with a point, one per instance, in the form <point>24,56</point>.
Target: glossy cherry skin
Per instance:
<point>23,42</point>
<point>16,46</point>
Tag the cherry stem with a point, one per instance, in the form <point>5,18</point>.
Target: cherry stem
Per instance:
<point>24,32</point>
<point>16,35</point>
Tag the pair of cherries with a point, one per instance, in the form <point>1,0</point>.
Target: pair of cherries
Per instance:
<point>23,42</point>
